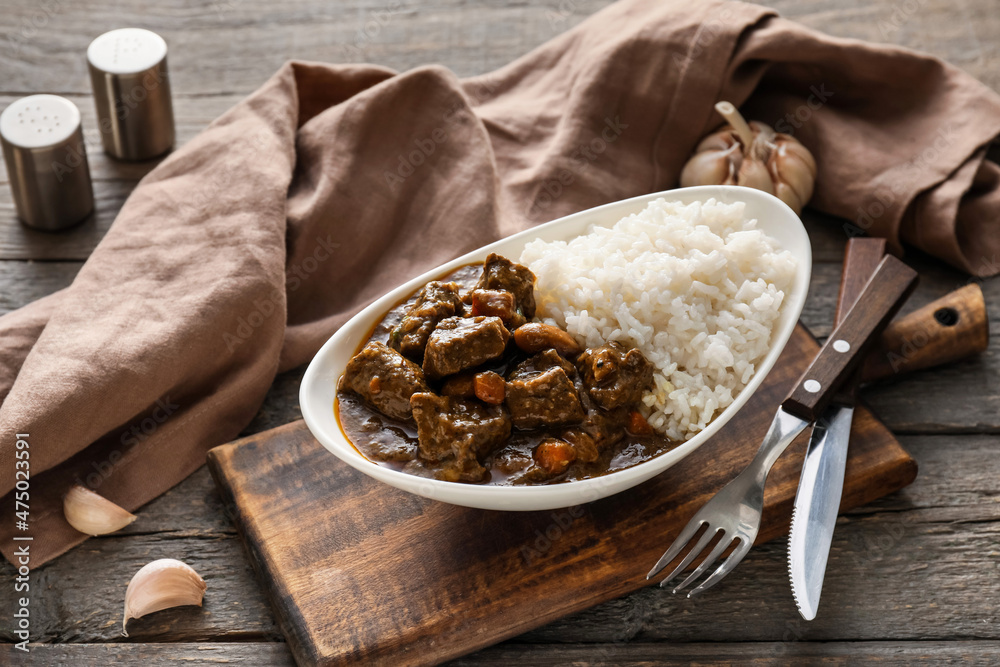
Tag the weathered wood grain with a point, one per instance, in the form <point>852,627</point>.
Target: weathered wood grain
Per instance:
<point>273,654</point>
<point>633,654</point>
<point>919,565</point>
<point>230,46</point>
<point>952,328</point>
<point>82,598</point>
<point>24,282</point>
<point>793,654</point>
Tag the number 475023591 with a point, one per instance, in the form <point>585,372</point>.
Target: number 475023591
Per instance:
<point>22,476</point>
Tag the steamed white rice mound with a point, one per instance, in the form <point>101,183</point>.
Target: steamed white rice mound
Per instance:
<point>696,288</point>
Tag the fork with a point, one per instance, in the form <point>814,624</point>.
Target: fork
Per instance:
<point>733,514</point>
<point>735,511</point>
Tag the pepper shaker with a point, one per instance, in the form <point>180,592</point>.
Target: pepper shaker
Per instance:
<point>128,72</point>
<point>46,159</point>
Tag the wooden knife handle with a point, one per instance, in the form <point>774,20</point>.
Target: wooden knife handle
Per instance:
<point>952,328</point>
<point>861,258</point>
<point>846,347</point>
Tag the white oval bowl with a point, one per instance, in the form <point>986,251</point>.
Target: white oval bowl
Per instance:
<point>319,384</point>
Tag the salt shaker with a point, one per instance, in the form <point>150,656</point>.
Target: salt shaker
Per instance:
<point>128,72</point>
<point>46,159</point>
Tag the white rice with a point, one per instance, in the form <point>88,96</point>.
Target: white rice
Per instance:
<point>696,288</point>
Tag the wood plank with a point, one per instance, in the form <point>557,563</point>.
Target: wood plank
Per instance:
<point>24,282</point>
<point>948,520</point>
<point>81,598</point>
<point>231,46</point>
<point>791,653</point>
<point>887,654</point>
<point>273,654</point>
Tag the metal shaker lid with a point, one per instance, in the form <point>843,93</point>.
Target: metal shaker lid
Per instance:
<point>46,159</point>
<point>128,72</point>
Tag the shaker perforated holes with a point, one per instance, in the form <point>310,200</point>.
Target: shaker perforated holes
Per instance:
<point>37,121</point>
<point>126,51</point>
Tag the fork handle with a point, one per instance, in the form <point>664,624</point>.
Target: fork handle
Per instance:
<point>883,295</point>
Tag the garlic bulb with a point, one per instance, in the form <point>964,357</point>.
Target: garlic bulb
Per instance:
<point>753,155</point>
<point>92,513</point>
<point>159,585</point>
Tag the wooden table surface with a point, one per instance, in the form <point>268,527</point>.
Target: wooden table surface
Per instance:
<point>914,575</point>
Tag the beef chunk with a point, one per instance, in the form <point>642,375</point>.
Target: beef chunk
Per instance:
<point>499,273</point>
<point>384,378</point>
<point>543,361</point>
<point>458,433</point>
<point>497,303</point>
<point>435,302</point>
<point>462,385</point>
<point>599,430</point>
<point>458,343</point>
<point>615,375</point>
<point>540,392</point>
<point>512,459</point>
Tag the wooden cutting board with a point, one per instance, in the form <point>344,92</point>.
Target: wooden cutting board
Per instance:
<point>359,572</point>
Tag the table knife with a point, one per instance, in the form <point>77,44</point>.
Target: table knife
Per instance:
<point>946,330</point>
<point>817,499</point>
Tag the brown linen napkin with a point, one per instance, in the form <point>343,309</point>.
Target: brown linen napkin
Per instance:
<point>244,250</point>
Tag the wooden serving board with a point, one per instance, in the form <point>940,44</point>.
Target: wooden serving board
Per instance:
<point>359,572</point>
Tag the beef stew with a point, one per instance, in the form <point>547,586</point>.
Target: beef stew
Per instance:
<point>458,384</point>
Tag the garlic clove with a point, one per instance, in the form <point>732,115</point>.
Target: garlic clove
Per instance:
<point>159,585</point>
<point>705,169</point>
<point>717,141</point>
<point>753,174</point>
<point>786,194</point>
<point>791,146</point>
<point>788,167</point>
<point>93,514</point>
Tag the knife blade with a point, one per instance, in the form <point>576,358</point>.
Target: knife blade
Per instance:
<point>821,484</point>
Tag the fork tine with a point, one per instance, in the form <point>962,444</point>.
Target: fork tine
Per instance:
<point>727,566</point>
<point>691,555</point>
<point>707,563</point>
<point>685,536</point>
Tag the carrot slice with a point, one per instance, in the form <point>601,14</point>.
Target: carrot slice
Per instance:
<point>554,456</point>
<point>638,425</point>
